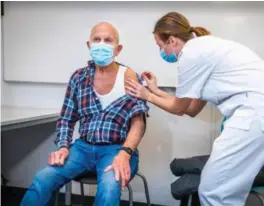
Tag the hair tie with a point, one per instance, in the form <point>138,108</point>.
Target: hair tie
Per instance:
<point>191,29</point>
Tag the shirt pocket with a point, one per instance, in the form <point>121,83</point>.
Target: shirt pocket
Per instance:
<point>241,119</point>
<point>242,123</point>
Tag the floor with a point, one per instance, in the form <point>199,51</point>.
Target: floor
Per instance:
<point>12,197</point>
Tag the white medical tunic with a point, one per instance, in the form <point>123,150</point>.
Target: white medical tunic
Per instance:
<point>225,73</point>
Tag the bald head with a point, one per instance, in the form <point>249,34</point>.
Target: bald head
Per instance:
<point>104,31</point>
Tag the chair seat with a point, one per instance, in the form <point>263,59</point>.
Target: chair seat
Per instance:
<point>91,178</point>
<point>87,178</point>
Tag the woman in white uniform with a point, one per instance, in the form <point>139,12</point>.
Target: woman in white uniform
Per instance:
<point>227,74</point>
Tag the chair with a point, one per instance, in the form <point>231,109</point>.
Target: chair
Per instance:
<point>255,196</point>
<point>91,179</point>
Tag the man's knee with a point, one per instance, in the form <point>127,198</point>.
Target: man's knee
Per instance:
<point>109,187</point>
<point>40,191</point>
<point>44,180</point>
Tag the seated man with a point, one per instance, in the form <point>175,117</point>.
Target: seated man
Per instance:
<point>111,127</point>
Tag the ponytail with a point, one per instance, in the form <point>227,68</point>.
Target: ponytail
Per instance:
<point>177,25</point>
<point>200,31</point>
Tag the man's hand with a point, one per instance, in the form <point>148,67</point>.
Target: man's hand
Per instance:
<point>58,158</point>
<point>121,167</point>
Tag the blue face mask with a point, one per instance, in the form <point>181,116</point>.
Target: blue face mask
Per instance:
<point>170,58</point>
<point>102,53</point>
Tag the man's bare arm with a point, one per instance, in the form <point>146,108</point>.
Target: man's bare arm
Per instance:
<point>121,163</point>
<point>137,128</point>
<point>136,132</point>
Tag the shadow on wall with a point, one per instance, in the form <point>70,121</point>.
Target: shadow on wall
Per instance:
<point>18,144</point>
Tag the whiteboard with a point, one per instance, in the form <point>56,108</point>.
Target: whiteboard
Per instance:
<point>46,41</point>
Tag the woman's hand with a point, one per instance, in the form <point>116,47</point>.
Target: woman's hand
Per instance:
<point>151,81</point>
<point>137,90</point>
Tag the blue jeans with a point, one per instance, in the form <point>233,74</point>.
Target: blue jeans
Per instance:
<point>82,157</point>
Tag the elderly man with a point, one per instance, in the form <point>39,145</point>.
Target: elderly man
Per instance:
<point>111,126</point>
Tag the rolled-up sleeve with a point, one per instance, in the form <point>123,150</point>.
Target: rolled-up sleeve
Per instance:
<point>139,107</point>
<point>193,75</point>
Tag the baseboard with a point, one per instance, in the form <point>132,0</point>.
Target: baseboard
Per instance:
<point>13,196</point>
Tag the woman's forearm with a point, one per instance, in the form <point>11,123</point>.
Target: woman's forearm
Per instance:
<point>170,104</point>
<point>195,107</point>
<point>163,94</point>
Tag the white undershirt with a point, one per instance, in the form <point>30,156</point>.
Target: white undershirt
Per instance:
<point>117,91</point>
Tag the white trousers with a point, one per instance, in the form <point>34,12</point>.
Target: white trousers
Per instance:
<point>237,156</point>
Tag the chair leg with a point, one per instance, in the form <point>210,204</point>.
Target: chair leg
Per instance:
<point>190,200</point>
<point>68,192</point>
<point>130,194</point>
<point>56,197</point>
<point>146,187</point>
<point>82,193</point>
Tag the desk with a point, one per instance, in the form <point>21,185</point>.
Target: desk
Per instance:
<point>18,117</point>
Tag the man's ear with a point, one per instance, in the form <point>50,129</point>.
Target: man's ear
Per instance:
<point>118,49</point>
<point>88,44</point>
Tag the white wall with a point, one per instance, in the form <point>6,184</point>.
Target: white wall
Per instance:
<point>25,151</point>
<point>41,36</point>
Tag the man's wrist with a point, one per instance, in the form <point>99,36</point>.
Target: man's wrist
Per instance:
<point>128,150</point>
<point>64,147</point>
<point>124,153</point>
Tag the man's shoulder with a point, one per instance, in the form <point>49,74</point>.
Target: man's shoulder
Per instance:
<point>131,74</point>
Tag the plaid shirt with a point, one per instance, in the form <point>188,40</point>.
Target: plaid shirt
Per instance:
<point>96,124</point>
